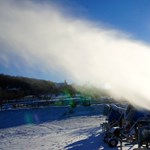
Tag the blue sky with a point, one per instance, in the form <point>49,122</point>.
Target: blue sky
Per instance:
<point>129,17</point>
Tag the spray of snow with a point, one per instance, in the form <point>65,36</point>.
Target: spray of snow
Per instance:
<point>43,35</point>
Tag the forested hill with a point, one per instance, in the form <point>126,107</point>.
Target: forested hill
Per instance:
<point>12,87</point>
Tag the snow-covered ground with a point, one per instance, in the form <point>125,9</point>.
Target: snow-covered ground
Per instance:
<point>52,128</point>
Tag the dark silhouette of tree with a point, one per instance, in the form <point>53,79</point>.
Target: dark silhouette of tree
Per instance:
<point>14,87</point>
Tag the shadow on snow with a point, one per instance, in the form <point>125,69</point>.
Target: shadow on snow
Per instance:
<point>93,142</point>
<point>13,118</point>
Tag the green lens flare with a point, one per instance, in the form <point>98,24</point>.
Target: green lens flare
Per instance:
<point>28,119</point>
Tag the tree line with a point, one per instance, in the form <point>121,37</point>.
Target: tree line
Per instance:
<point>16,87</point>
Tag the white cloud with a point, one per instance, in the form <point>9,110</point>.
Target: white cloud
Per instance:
<point>41,34</point>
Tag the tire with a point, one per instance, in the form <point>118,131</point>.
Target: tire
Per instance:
<point>113,142</point>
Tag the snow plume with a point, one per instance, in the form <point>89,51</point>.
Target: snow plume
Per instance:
<point>44,36</point>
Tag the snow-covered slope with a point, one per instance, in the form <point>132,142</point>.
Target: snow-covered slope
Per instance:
<point>52,128</point>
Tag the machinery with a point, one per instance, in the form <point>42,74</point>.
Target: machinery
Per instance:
<point>126,124</point>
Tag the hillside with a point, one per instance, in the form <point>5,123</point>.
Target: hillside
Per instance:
<point>15,87</point>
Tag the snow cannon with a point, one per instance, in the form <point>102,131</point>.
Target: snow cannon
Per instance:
<point>112,127</point>
<point>127,124</point>
<point>113,114</point>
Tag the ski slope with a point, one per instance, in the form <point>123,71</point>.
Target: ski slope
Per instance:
<point>53,128</point>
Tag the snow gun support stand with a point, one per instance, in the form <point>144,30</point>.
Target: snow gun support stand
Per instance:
<point>144,137</point>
